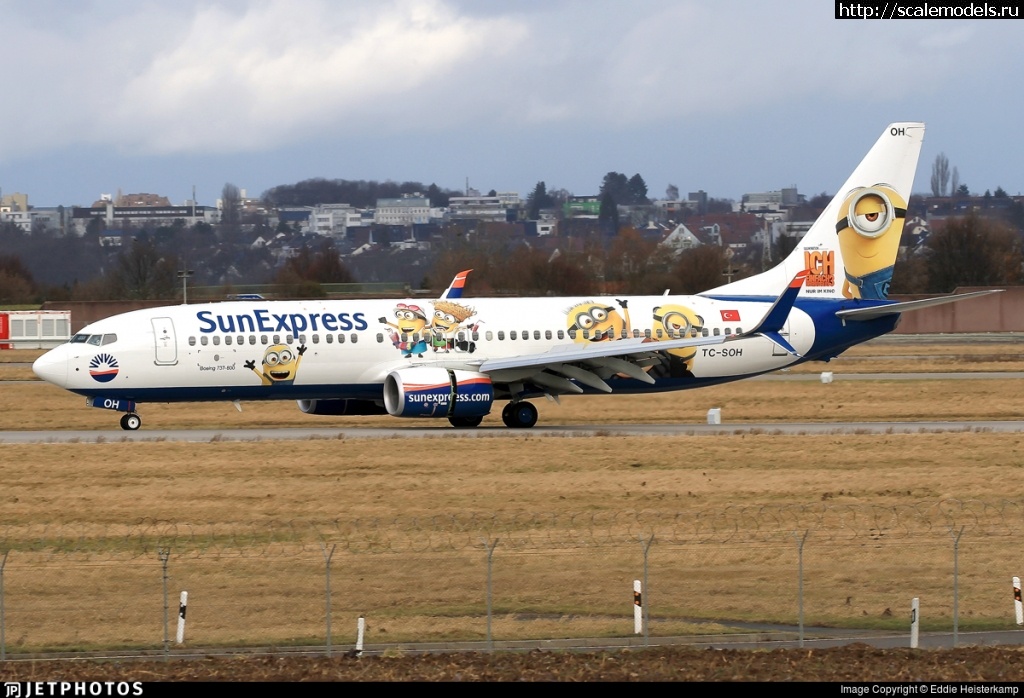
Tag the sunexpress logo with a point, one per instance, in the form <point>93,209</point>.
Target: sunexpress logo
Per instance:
<point>262,320</point>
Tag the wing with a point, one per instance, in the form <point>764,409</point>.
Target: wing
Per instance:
<point>554,371</point>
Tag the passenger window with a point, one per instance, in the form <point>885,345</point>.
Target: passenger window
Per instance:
<point>288,339</point>
<point>476,336</point>
<point>489,335</point>
<point>252,339</point>
<point>561,334</point>
<point>355,338</point>
<point>536,334</point>
<point>216,340</point>
<point>512,334</point>
<point>728,331</point>
<point>329,338</point>
<point>277,339</point>
<point>302,339</point>
<point>547,334</point>
<point>191,341</point>
<point>316,339</point>
<point>526,334</point>
<point>341,339</point>
<point>572,334</point>
<point>636,334</point>
<point>647,334</point>
<point>717,332</point>
<point>204,340</point>
<point>586,334</point>
<point>704,331</point>
<point>263,339</point>
<point>380,338</point>
<point>227,340</point>
<point>659,333</point>
<point>501,335</point>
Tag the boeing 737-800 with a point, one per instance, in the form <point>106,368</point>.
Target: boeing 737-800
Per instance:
<point>454,358</point>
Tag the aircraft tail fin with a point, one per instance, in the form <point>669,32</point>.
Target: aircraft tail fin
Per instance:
<point>454,289</point>
<point>851,248</point>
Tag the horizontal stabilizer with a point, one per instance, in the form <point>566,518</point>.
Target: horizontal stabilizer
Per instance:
<point>877,311</point>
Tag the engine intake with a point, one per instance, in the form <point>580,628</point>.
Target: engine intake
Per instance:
<point>437,392</point>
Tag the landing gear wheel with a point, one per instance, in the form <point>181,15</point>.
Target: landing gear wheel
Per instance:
<point>465,422</point>
<point>131,421</point>
<point>519,415</point>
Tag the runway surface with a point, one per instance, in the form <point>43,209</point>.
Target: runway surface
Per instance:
<point>439,431</point>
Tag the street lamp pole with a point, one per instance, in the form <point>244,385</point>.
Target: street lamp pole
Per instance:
<point>183,275</point>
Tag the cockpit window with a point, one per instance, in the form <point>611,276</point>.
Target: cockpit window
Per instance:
<point>109,339</point>
<point>95,340</point>
<point>79,339</point>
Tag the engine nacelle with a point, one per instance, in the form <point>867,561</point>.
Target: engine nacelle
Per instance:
<point>437,392</point>
<point>341,408</point>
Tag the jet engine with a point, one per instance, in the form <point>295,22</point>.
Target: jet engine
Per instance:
<point>437,392</point>
<point>341,408</point>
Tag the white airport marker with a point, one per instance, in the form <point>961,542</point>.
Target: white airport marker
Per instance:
<point>915,621</point>
<point>360,632</point>
<point>638,609</point>
<point>181,616</point>
<point>715,415</point>
<point>826,376</point>
<point>1017,605</point>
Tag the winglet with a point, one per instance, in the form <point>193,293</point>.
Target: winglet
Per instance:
<point>455,289</point>
<point>775,319</point>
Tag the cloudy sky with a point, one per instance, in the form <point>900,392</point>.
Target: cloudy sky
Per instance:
<point>729,96</point>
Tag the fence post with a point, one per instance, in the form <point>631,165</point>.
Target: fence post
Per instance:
<point>800,540</point>
<point>3,622</point>
<point>956,581</point>
<point>646,544</point>
<point>327,592</point>
<point>490,576</point>
<point>164,554</point>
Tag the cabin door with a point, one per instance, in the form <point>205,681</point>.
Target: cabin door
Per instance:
<point>166,343</point>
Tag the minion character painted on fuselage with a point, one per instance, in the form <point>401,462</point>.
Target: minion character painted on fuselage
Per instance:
<point>677,322</point>
<point>411,323</point>
<point>597,322</point>
<point>870,226</point>
<point>448,318</point>
<point>280,364</point>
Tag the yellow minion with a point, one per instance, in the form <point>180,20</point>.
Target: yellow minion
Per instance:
<point>280,364</point>
<point>677,322</point>
<point>597,322</point>
<point>870,226</point>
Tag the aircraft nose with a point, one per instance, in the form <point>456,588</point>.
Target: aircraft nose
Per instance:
<point>52,367</point>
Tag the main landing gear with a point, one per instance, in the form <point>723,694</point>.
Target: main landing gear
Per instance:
<point>519,415</point>
<point>131,421</point>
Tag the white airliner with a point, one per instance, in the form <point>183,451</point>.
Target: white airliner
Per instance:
<point>453,358</point>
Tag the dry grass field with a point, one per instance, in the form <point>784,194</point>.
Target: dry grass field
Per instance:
<point>411,519</point>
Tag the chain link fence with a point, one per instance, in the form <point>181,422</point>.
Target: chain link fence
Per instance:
<point>504,578</point>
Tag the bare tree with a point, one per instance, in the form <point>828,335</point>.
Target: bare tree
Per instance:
<point>940,175</point>
<point>231,203</point>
